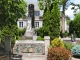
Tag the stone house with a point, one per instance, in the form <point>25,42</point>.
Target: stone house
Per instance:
<point>38,15</point>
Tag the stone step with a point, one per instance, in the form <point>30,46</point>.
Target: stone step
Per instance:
<point>30,33</point>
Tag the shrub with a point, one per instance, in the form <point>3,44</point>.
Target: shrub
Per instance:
<point>57,42</point>
<point>18,37</point>
<point>76,50</point>
<point>58,53</point>
<point>8,31</point>
<point>66,34</point>
<point>39,32</point>
<point>21,31</point>
<point>0,34</point>
<point>40,38</point>
<point>68,45</point>
<point>61,34</point>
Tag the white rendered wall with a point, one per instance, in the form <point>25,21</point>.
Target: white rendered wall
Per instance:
<point>24,24</point>
<point>40,23</point>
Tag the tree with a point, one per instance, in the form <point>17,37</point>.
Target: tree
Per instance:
<point>64,4</point>
<point>49,4</point>
<point>55,21</point>
<point>43,4</point>
<point>75,7</point>
<point>9,31</point>
<point>10,11</point>
<point>51,18</point>
<point>75,25</point>
<point>71,27</point>
<point>46,23</point>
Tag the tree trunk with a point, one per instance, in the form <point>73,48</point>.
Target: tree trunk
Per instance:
<point>63,19</point>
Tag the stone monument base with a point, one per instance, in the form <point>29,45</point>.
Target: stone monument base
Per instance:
<point>30,34</point>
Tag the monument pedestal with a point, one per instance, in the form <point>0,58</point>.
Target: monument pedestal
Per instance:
<point>30,30</point>
<point>30,34</point>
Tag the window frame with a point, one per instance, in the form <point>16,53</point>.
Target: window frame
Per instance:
<point>37,24</point>
<point>37,13</point>
<point>20,24</point>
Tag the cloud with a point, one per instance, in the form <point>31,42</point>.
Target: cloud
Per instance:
<point>69,12</point>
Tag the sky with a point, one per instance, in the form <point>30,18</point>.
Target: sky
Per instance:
<point>68,12</point>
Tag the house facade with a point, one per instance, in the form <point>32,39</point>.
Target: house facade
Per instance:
<point>38,15</point>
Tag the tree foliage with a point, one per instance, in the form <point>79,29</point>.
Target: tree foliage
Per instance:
<point>9,31</point>
<point>44,3</point>
<point>75,25</point>
<point>39,32</point>
<point>55,21</point>
<point>48,6</point>
<point>10,11</point>
<point>46,23</point>
<point>51,19</point>
<point>75,7</point>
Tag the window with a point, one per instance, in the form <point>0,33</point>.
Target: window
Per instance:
<point>36,24</point>
<point>37,13</point>
<point>20,24</point>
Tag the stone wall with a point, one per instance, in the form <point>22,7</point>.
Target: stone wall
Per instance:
<point>69,39</point>
<point>77,40</point>
<point>32,46</point>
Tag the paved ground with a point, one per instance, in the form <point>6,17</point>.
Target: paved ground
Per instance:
<point>40,58</point>
<point>33,57</point>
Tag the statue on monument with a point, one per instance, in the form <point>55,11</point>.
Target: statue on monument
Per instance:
<point>29,24</point>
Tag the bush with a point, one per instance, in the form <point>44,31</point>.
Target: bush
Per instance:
<point>39,32</point>
<point>66,34</point>
<point>0,33</point>
<point>68,45</point>
<point>18,37</point>
<point>8,31</point>
<point>61,34</point>
<point>21,31</point>
<point>76,50</point>
<point>58,53</point>
<point>40,38</point>
<point>57,42</point>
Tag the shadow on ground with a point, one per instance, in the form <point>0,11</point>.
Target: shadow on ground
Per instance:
<point>15,57</point>
<point>11,57</point>
<point>78,57</point>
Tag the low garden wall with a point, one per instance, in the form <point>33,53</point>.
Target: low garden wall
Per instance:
<point>32,46</point>
<point>69,39</point>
